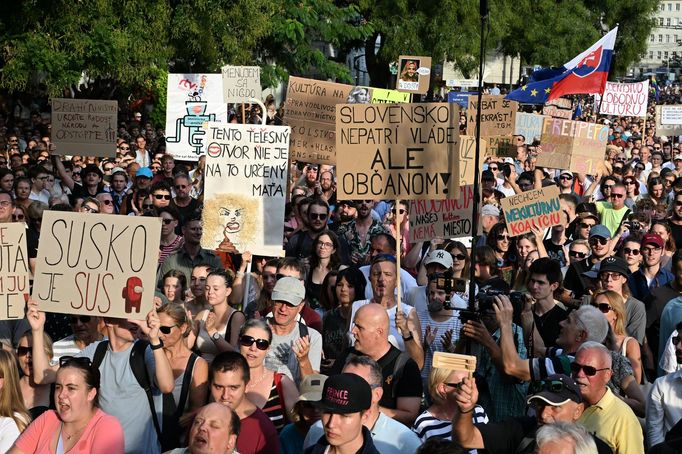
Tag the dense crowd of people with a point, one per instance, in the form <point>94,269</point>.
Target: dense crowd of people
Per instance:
<point>576,329</point>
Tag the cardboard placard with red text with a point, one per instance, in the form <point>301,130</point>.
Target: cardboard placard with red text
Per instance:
<point>97,264</point>
<point>448,218</point>
<point>574,145</point>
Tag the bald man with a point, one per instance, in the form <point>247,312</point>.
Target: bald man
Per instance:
<point>215,429</point>
<point>401,385</point>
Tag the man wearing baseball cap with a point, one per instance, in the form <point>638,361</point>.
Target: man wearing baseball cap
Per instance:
<point>650,274</point>
<point>599,240</point>
<point>344,404</point>
<point>557,398</point>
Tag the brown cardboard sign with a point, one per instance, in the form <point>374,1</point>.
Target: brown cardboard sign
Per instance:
<point>85,127</point>
<point>575,145</point>
<point>559,108</point>
<point>500,146</point>
<point>310,110</point>
<point>497,116</point>
<point>414,74</point>
<point>14,271</point>
<point>537,206</point>
<point>241,83</point>
<point>467,156</point>
<point>447,218</point>
<point>397,151</point>
<point>97,264</point>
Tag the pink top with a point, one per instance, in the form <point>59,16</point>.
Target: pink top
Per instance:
<point>102,435</point>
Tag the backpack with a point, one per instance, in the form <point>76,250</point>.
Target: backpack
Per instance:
<point>398,368</point>
<point>139,368</point>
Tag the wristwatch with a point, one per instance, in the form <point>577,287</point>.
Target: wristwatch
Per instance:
<point>157,346</point>
<point>216,336</point>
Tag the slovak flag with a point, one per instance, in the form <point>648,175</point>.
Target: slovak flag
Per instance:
<point>585,74</point>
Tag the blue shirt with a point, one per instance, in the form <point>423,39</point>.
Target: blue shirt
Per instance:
<point>640,289</point>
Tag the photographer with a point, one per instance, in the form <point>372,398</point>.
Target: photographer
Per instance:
<point>545,278</point>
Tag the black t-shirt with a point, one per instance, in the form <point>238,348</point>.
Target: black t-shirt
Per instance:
<point>409,385</point>
<point>548,324</point>
<point>507,436</point>
<point>555,252</point>
<point>187,211</point>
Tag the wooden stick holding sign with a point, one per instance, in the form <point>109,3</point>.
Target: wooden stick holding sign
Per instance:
<point>398,247</point>
<point>247,284</point>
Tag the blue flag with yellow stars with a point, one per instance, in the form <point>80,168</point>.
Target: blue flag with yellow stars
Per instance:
<point>534,92</point>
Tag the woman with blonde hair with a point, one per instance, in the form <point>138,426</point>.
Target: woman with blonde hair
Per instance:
<point>13,415</point>
<point>436,421</point>
<point>36,397</point>
<point>612,306</point>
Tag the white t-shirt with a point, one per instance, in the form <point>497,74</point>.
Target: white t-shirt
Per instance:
<point>394,336</point>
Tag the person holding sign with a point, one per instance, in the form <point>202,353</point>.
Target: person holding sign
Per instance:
<point>121,394</point>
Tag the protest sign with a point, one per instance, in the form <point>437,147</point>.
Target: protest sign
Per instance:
<point>382,95</point>
<point>414,74</point>
<point>192,100</point>
<point>397,151</point>
<point>310,111</point>
<point>466,158</point>
<point>576,145</point>
<point>447,218</point>
<point>249,210</point>
<point>460,97</point>
<point>241,83</point>
<point>537,206</point>
<point>85,127</point>
<point>499,147</point>
<point>97,264</point>
<point>671,115</point>
<point>559,108</point>
<point>666,130</point>
<point>14,271</point>
<point>529,126</point>
<point>625,100</point>
<point>497,115</point>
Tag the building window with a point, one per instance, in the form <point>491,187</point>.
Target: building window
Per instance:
<point>652,38</point>
<point>660,38</point>
<point>670,6</point>
<point>651,55</point>
<point>659,54</point>
<point>662,7</point>
<point>677,6</point>
<point>667,38</point>
<point>660,21</point>
<point>665,54</point>
<point>674,54</point>
<point>667,21</point>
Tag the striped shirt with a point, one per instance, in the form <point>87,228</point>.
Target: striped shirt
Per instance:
<point>427,425</point>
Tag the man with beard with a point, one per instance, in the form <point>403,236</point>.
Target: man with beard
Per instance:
<point>359,231</point>
<point>327,188</point>
<point>346,212</point>
<point>300,245</point>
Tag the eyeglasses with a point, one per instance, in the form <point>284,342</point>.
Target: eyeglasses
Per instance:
<point>576,254</point>
<point>325,244</point>
<point>650,250</point>
<point>459,257</point>
<point>603,307</point>
<point>147,206</point>
<point>166,329</point>
<point>80,360</point>
<point>162,196</point>
<point>585,225</point>
<point>609,186</point>
<point>168,221</point>
<point>455,385</point>
<point>18,217</point>
<point>628,251</point>
<point>318,216</point>
<point>125,148</point>
<point>630,183</point>
<point>598,240</point>
<point>77,174</point>
<point>247,341</point>
<point>590,371</point>
<point>401,211</point>
<point>88,209</point>
<point>566,177</point>
<point>83,319</point>
<point>23,351</point>
<point>617,196</point>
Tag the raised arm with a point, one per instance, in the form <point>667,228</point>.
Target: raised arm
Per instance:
<point>43,373</point>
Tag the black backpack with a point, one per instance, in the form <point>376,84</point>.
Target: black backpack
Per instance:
<point>169,438</point>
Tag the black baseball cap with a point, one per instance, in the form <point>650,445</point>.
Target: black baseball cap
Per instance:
<point>615,264</point>
<point>556,390</point>
<point>345,393</point>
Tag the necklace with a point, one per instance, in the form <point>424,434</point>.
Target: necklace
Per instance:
<point>69,437</point>
<point>260,379</point>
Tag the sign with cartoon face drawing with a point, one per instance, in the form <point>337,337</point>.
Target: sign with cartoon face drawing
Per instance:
<point>245,187</point>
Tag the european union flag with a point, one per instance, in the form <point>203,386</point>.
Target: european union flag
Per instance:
<point>533,92</point>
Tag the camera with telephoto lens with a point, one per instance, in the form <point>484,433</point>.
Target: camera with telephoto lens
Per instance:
<point>485,300</point>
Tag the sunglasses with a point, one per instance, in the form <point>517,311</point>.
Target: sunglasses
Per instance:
<point>598,240</point>
<point>83,319</point>
<point>318,216</point>
<point>627,250</point>
<point>162,196</point>
<point>455,385</point>
<point>247,341</point>
<point>18,217</point>
<point>675,340</point>
<point>147,206</point>
<point>494,169</point>
<point>459,257</point>
<point>502,237</point>
<point>585,225</point>
<point>76,174</point>
<point>166,329</point>
<point>168,221</point>
<point>590,371</point>
<point>180,186</point>
<point>603,307</point>
<point>608,186</point>
<point>80,360</point>
<point>630,183</point>
<point>566,177</point>
<point>576,254</point>
<point>107,201</point>
<point>617,196</point>
<point>23,351</point>
<point>125,148</point>
<point>401,211</point>
<point>90,210</point>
